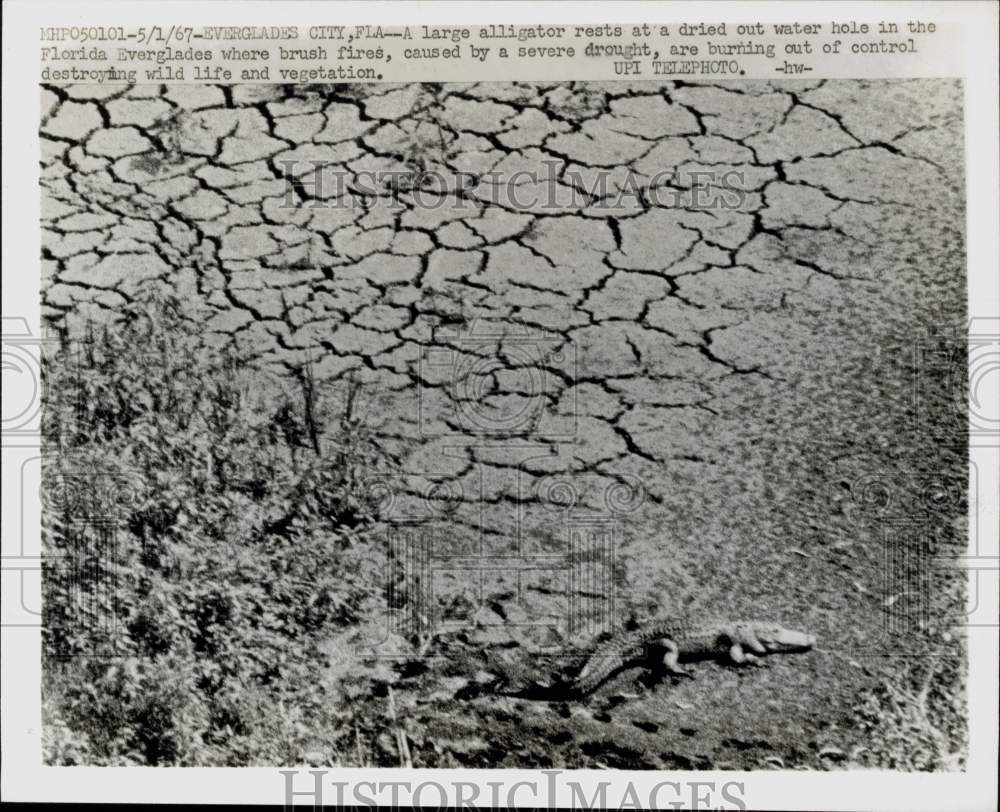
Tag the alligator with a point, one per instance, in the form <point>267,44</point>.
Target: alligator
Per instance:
<point>668,643</point>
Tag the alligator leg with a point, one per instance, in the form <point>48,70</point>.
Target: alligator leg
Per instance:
<point>754,645</point>
<point>670,659</point>
<point>740,657</point>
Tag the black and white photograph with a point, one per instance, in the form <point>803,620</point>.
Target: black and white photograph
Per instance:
<point>537,424</point>
<point>389,403</point>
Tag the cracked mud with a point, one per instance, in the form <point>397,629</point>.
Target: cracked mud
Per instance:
<point>634,344</point>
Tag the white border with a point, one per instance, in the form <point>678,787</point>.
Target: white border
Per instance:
<point>22,776</point>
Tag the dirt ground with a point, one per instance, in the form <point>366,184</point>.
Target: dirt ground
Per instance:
<point>608,405</point>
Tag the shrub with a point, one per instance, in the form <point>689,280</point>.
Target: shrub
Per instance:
<point>217,515</point>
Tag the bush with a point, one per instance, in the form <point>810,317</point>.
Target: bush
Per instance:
<point>916,720</point>
<point>216,515</point>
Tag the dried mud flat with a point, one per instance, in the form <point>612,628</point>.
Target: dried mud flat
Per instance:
<point>627,407</point>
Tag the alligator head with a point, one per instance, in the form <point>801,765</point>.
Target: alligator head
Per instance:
<point>771,638</point>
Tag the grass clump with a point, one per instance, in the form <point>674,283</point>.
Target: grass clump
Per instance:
<point>205,527</point>
<point>915,720</point>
